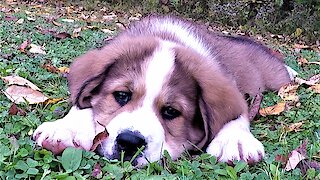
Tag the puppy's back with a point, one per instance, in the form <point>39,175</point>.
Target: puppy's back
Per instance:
<point>249,64</point>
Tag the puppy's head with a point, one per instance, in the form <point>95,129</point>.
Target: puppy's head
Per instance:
<point>153,95</point>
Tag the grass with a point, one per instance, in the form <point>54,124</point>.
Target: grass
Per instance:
<point>20,158</point>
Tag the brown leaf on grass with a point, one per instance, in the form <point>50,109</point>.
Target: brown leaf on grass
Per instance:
<point>50,68</point>
<point>98,139</point>
<point>45,31</point>
<point>62,35</point>
<point>15,110</point>
<point>294,159</point>
<point>312,81</point>
<point>76,32</point>
<point>281,158</point>
<point>255,106</point>
<point>64,70</point>
<point>10,18</point>
<point>20,94</point>
<point>288,92</point>
<point>308,164</point>
<point>296,156</point>
<point>20,21</point>
<point>53,101</point>
<point>56,23</point>
<point>17,80</point>
<point>294,127</point>
<point>300,46</point>
<point>24,45</point>
<point>316,88</point>
<point>302,61</point>
<point>273,110</point>
<point>36,49</point>
<point>6,56</point>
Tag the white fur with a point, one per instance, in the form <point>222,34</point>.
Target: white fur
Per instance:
<point>225,145</point>
<point>76,127</point>
<point>144,119</point>
<point>181,31</point>
<point>292,72</point>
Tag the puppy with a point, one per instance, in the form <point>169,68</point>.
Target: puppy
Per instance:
<point>166,84</point>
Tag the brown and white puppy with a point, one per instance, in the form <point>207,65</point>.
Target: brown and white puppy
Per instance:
<point>166,84</point>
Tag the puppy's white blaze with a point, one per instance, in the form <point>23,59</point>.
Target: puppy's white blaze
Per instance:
<point>184,34</point>
<point>159,68</point>
<point>235,142</point>
<point>144,119</point>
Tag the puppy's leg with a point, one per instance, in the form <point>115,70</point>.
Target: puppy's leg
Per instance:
<point>76,129</point>
<point>235,142</point>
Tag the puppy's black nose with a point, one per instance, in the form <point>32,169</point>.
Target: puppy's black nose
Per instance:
<point>129,142</point>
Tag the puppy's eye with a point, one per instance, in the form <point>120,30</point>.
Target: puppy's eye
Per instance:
<point>169,113</point>
<point>122,97</point>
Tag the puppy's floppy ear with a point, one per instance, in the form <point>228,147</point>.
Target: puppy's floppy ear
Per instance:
<point>90,70</point>
<point>87,72</point>
<point>220,100</point>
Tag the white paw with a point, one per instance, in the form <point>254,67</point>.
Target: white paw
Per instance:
<point>235,142</point>
<point>76,129</point>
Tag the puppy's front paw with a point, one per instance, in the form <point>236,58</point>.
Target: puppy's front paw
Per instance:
<point>74,130</point>
<point>235,142</point>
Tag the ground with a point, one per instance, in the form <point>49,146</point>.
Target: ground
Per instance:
<point>38,42</point>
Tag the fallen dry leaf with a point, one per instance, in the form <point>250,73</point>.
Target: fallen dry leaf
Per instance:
<point>56,23</point>
<point>98,139</point>
<point>20,94</point>
<point>17,80</point>
<point>24,45</point>
<point>255,106</point>
<point>64,70</point>
<point>302,61</point>
<point>300,46</point>
<point>316,88</point>
<point>76,32</point>
<point>273,110</point>
<point>288,92</point>
<point>62,35</point>
<point>294,127</point>
<point>15,110</point>
<point>294,160</point>
<point>50,68</point>
<point>36,49</point>
<point>20,21</point>
<point>297,155</point>
<point>53,101</point>
<point>10,18</point>
<point>312,81</point>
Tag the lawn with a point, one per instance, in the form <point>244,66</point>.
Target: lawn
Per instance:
<point>36,40</point>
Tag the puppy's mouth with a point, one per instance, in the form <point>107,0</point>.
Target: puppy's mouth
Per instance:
<point>128,146</point>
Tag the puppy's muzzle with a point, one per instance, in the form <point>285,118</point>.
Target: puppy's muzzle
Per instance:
<point>129,142</point>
